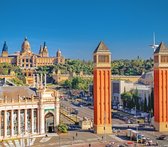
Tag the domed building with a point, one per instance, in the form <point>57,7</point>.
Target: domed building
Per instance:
<point>29,61</point>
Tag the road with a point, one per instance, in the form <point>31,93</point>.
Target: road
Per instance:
<point>87,112</point>
<point>82,111</point>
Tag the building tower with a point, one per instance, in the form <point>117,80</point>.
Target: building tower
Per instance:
<point>45,50</point>
<point>41,50</point>
<point>5,50</point>
<point>161,88</point>
<point>102,89</point>
<point>59,57</point>
<point>26,46</point>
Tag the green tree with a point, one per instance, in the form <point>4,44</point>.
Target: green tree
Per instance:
<point>136,99</point>
<point>145,105</point>
<point>152,101</point>
<point>127,99</point>
<point>149,104</point>
<point>78,83</point>
<point>62,128</point>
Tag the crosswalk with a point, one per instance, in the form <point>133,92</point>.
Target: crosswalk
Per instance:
<point>19,142</point>
<point>23,142</point>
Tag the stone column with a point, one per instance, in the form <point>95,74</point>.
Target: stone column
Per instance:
<point>0,123</point>
<point>37,81</point>
<point>57,110</point>
<point>25,118</point>
<point>42,131</point>
<point>12,124</point>
<point>41,81</point>
<point>5,123</point>
<point>32,120</point>
<point>19,132</point>
<point>45,80</point>
<point>34,81</point>
<point>38,121</point>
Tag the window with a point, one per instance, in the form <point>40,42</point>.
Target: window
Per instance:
<point>27,60</point>
<point>95,59</point>
<point>104,58</point>
<point>164,59</point>
<point>156,59</point>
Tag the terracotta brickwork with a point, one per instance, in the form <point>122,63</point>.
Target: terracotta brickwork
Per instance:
<point>102,90</point>
<point>161,88</point>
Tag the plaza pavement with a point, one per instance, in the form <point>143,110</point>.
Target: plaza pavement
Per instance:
<point>71,139</point>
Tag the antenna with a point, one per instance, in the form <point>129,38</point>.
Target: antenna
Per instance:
<point>154,46</point>
<point>153,38</point>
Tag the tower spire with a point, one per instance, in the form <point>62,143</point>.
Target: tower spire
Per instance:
<point>5,47</point>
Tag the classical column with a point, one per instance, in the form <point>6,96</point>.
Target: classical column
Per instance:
<point>12,124</point>
<point>41,81</point>
<point>34,81</point>
<point>42,120</point>
<point>57,109</point>
<point>19,122</point>
<point>45,81</point>
<point>25,118</point>
<point>5,123</point>
<point>38,120</point>
<point>37,81</point>
<point>0,123</point>
<point>32,120</point>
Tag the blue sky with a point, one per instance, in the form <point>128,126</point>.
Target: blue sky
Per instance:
<point>77,26</point>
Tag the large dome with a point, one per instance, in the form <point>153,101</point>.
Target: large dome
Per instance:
<point>26,46</point>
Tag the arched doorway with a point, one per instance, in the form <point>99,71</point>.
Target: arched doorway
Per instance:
<point>49,123</point>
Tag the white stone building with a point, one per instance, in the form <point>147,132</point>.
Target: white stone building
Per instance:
<point>118,87</point>
<point>25,110</point>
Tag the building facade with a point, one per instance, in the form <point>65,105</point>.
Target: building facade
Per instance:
<point>24,110</point>
<point>102,89</point>
<point>147,78</point>
<point>161,88</point>
<point>29,61</point>
<point>119,87</point>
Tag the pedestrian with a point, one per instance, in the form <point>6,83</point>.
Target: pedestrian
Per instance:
<point>102,137</point>
<point>76,134</point>
<point>89,145</point>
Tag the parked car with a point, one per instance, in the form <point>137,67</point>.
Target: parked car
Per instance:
<point>161,137</point>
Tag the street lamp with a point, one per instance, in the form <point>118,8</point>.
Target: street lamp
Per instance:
<point>136,124</point>
<point>104,127</point>
<point>59,141</point>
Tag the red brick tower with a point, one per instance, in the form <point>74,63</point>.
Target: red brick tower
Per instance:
<point>161,88</point>
<point>102,89</point>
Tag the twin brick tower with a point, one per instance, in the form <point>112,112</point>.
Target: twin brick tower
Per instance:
<point>102,89</point>
<point>161,88</point>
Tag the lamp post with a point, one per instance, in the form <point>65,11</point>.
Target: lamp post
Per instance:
<point>104,126</point>
<point>59,141</point>
<point>136,124</point>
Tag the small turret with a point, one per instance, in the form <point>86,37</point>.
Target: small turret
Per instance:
<point>41,50</point>
<point>5,50</point>
<point>44,50</point>
<point>59,53</point>
<point>59,57</point>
